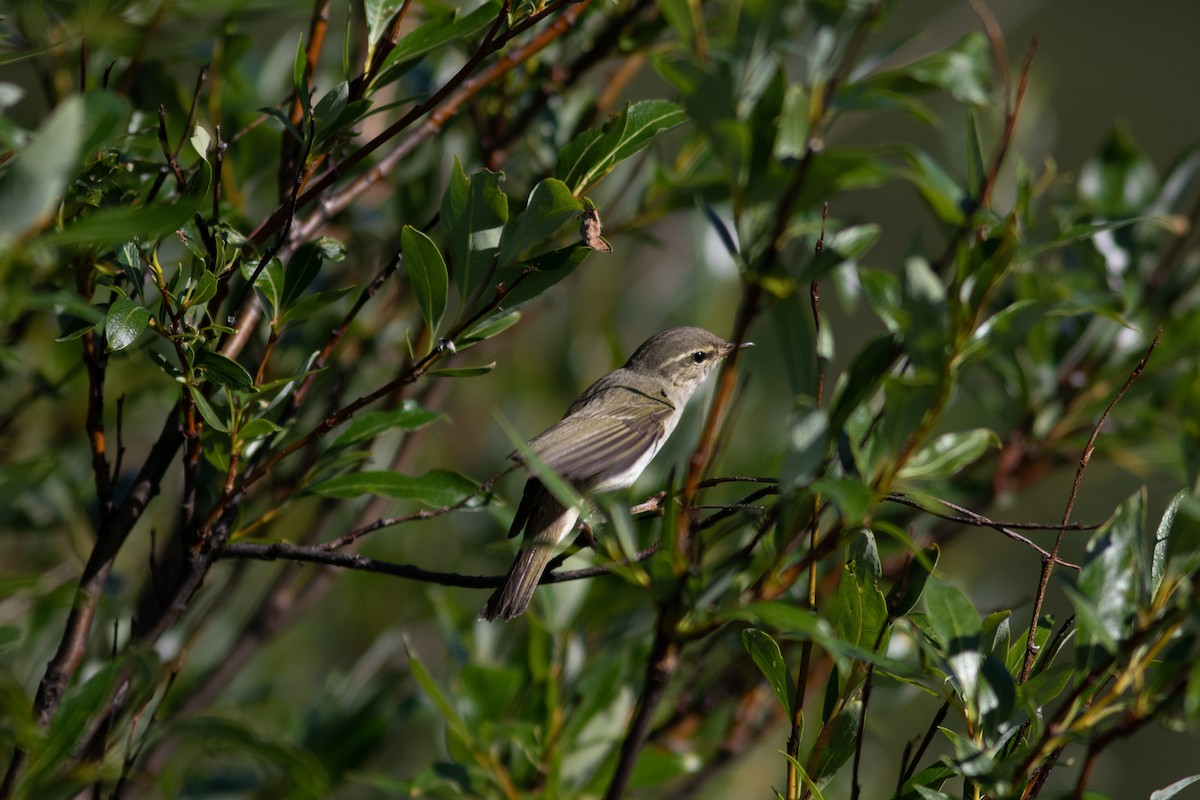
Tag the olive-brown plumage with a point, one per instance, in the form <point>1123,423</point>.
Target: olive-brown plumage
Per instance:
<point>605,440</point>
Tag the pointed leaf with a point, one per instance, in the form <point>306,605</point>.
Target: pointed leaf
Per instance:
<point>529,279</point>
<point>767,656</point>
<point>474,213</point>
<point>270,282</point>
<point>207,412</point>
<point>409,417</point>
<point>955,623</point>
<point>593,153</point>
<point>224,371</point>
<point>437,33</point>
<point>305,265</point>
<point>427,272</point>
<point>35,182</point>
<point>949,454</point>
<point>836,742</point>
<point>435,694</point>
<point>550,205</point>
<point>909,587</point>
<point>1107,587</point>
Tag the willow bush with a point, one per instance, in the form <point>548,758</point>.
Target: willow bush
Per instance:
<point>274,286</point>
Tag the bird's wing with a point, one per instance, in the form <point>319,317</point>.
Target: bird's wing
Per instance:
<point>581,448</point>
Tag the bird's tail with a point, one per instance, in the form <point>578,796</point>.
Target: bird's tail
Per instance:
<point>516,593</point>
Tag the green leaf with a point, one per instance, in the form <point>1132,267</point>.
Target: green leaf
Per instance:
<point>435,694</point>
<point>474,213</point>
<point>259,428</point>
<point>836,742</point>
<point>435,489</point>
<point>489,327</point>
<point>72,722</point>
<point>1108,583</point>
<point>907,400</point>
<point>330,110</point>
<point>203,290</point>
<point>300,76</point>
<point>592,154</point>
<point>1120,181</point>
<point>301,771</point>
<point>975,166</point>
<point>550,204</point>
<point>794,622</point>
<point>124,323</point>
<point>942,194</point>
<point>963,70</point>
<point>929,779</point>
<point>207,412</point>
<point>792,139</point>
<point>767,656</point>
<point>427,273</point>
<point>270,282</point>
<point>955,624</point>
<point>311,304</point>
<point>949,454</point>
<point>909,587</point>
<point>865,375</point>
<point>851,496</point>
<point>462,372</point>
<point>305,265</point>
<point>1167,792</point>
<point>1176,550</point>
<point>378,13</point>
<point>529,279</point>
<point>808,443</point>
<point>200,141</point>
<point>1041,689</point>
<point>116,224</point>
<point>224,371</point>
<point>861,607</point>
<point>38,177</point>
<point>409,416</point>
<point>437,33</point>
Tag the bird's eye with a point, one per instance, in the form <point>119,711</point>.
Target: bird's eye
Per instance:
<point>699,356</point>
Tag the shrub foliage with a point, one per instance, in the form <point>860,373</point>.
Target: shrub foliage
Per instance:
<point>250,258</point>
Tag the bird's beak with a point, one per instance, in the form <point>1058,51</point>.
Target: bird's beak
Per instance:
<point>732,346</point>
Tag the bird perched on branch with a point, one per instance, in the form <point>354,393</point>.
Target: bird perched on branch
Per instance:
<point>605,440</point>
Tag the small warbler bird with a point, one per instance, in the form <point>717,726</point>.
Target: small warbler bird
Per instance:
<point>605,440</point>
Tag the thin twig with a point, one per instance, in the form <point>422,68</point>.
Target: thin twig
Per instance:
<point>318,554</point>
<point>1049,562</point>
<point>968,517</point>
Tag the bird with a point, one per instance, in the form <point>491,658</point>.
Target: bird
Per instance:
<point>604,441</point>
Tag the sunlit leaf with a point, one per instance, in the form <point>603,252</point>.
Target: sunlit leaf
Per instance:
<point>439,32</point>
<point>550,205</point>
<point>955,623</point>
<point>949,454</point>
<point>594,153</point>
<point>1106,600</point>
<point>409,417</point>
<point>474,212</point>
<point>124,323</point>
